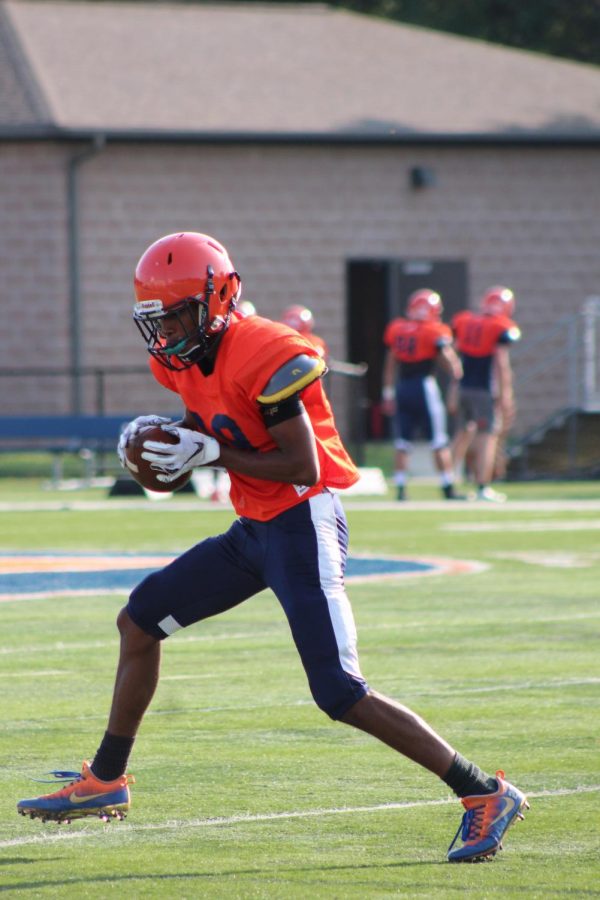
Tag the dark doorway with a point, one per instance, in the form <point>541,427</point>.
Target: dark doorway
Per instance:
<point>377,290</point>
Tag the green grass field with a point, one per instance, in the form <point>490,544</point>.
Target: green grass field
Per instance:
<point>243,788</point>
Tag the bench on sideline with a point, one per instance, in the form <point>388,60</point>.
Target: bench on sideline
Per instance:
<point>87,435</point>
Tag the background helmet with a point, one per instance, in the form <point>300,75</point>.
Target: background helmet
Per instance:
<point>246,308</point>
<point>498,301</point>
<point>190,276</point>
<point>424,306</point>
<point>299,318</point>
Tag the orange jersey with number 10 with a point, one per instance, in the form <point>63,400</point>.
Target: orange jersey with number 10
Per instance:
<point>225,405</point>
<point>479,335</point>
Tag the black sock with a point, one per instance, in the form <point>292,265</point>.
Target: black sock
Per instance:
<point>111,757</point>
<point>466,779</point>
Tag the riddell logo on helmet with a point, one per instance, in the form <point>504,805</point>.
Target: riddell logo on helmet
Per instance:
<point>149,307</point>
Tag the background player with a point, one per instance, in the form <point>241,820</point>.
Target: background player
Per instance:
<point>301,319</point>
<point>246,308</point>
<point>252,390</point>
<point>486,404</point>
<point>411,392</point>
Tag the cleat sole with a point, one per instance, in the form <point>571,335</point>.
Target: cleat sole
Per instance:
<point>106,814</point>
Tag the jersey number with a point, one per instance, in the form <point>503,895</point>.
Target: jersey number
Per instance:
<point>473,334</point>
<point>406,344</point>
<point>225,428</point>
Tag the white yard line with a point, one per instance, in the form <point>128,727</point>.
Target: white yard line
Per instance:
<point>203,506</point>
<point>124,830</point>
<point>44,673</point>
<point>514,525</point>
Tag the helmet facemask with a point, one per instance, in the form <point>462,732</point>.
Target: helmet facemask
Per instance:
<point>181,334</point>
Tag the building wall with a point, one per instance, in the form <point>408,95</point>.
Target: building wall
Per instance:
<point>291,217</point>
<point>33,272</point>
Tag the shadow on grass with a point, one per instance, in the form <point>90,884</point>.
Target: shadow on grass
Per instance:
<point>187,876</point>
<point>22,860</point>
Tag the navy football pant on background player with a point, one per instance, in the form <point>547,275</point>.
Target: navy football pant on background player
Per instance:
<point>301,556</point>
<point>420,407</point>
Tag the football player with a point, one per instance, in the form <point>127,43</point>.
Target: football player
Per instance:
<point>486,397</point>
<point>255,404</point>
<point>301,319</point>
<point>415,346</point>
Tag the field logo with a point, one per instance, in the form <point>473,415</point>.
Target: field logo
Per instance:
<point>30,576</point>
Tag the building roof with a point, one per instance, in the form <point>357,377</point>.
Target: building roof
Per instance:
<point>237,69</point>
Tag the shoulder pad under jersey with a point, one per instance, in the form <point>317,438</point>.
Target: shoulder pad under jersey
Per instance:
<point>293,376</point>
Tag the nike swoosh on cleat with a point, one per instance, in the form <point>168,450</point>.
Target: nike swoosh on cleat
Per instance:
<point>75,798</point>
<point>509,806</point>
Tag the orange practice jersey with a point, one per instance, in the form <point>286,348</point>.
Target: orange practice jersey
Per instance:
<point>415,344</point>
<point>225,406</point>
<point>479,335</point>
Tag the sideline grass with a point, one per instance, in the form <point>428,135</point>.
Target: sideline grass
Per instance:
<point>234,763</point>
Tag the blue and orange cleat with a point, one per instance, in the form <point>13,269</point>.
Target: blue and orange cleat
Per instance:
<point>83,795</point>
<point>485,822</point>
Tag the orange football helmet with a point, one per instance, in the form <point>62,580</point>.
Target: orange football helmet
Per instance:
<point>299,318</point>
<point>185,287</point>
<point>424,306</point>
<point>498,301</point>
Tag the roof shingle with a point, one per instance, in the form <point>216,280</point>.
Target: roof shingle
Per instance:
<point>288,70</point>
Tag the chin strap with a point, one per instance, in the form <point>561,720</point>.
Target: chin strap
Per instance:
<point>176,349</point>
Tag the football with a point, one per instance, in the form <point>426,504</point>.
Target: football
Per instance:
<point>140,468</point>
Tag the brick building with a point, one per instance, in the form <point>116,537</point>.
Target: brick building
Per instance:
<point>343,159</point>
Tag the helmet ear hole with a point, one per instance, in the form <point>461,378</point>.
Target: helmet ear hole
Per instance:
<point>223,292</point>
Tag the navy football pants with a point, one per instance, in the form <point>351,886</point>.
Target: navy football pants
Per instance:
<point>301,556</point>
<point>420,407</point>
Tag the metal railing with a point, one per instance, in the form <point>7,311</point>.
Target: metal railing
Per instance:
<point>99,376</point>
<point>573,366</point>
<point>112,390</point>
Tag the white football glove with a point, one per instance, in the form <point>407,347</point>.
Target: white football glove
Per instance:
<point>194,449</point>
<point>131,428</point>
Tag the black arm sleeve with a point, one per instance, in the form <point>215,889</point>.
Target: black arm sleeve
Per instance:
<point>274,413</point>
